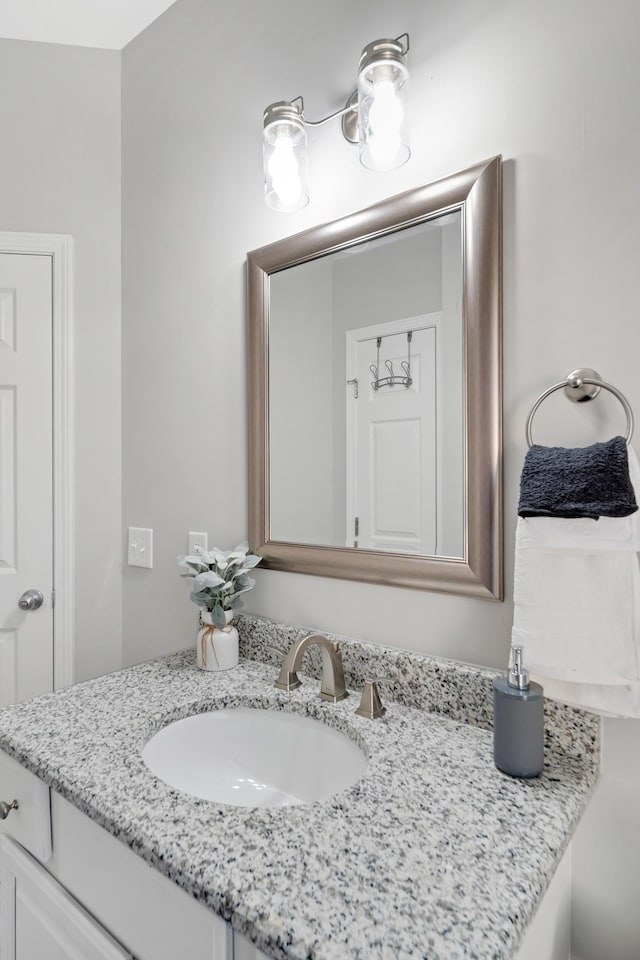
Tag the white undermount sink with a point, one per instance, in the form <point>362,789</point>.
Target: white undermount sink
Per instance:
<point>254,758</point>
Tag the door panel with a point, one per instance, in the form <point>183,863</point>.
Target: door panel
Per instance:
<point>26,495</point>
<point>395,464</point>
<point>395,449</point>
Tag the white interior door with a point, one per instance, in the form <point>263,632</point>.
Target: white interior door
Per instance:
<point>26,494</point>
<point>391,453</point>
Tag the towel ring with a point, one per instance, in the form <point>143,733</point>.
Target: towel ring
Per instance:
<point>587,384</point>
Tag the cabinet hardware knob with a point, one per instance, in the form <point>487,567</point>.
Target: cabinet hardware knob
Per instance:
<point>6,808</point>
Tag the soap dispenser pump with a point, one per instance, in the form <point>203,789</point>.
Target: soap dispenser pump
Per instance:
<point>518,721</point>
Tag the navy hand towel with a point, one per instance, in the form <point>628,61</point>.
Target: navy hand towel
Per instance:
<point>577,482</point>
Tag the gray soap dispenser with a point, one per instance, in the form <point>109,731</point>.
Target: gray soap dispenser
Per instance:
<point>518,721</point>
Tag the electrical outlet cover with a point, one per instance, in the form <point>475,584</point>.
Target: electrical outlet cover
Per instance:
<point>198,543</point>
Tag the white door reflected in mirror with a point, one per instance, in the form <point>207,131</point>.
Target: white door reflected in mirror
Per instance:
<point>391,437</point>
<point>377,469</point>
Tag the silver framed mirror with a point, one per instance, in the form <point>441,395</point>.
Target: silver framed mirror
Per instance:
<point>375,392</point>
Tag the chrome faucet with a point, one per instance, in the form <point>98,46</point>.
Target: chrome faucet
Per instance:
<point>333,687</point>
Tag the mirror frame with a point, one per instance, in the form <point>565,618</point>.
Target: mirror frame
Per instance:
<point>476,192</point>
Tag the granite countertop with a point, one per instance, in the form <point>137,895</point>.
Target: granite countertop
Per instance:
<point>433,854</point>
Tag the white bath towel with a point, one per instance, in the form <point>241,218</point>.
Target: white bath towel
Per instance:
<point>577,607</point>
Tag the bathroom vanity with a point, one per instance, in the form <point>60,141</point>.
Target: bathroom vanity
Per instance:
<point>432,853</point>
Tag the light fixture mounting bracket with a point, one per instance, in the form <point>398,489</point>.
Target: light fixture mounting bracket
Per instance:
<point>349,121</point>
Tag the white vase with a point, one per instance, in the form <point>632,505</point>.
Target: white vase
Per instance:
<point>217,648</point>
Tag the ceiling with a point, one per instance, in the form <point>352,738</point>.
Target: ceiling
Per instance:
<point>86,23</point>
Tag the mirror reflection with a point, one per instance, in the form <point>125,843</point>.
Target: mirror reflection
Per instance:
<point>366,395</point>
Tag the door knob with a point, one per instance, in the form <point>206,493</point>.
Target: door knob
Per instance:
<point>6,808</point>
<point>31,600</point>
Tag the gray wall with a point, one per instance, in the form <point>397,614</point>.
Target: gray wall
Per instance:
<point>550,84</point>
<point>60,173</point>
<point>301,390</point>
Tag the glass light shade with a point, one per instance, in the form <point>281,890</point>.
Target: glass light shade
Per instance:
<point>284,148</point>
<point>383,86</point>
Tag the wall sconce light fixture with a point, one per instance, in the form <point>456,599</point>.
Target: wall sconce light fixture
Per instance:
<point>375,117</point>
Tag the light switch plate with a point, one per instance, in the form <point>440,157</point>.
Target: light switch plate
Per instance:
<point>198,543</point>
<point>140,550</point>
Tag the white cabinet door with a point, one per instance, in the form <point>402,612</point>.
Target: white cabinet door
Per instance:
<point>243,950</point>
<point>144,910</point>
<point>38,918</point>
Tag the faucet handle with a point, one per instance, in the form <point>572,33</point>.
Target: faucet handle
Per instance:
<point>281,653</point>
<point>370,702</point>
<point>288,680</point>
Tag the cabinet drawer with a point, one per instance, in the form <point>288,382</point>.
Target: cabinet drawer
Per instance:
<point>30,824</point>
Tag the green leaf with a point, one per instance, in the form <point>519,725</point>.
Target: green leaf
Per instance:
<point>200,599</point>
<point>249,585</point>
<point>192,564</point>
<point>218,617</point>
<point>252,561</point>
<point>207,581</point>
